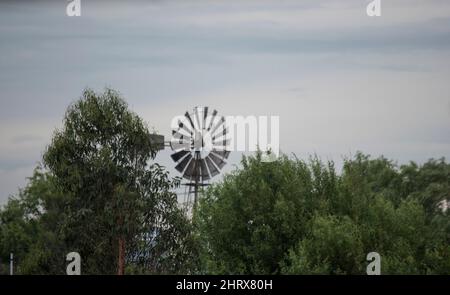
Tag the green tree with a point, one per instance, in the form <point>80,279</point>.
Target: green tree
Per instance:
<point>248,222</point>
<point>98,159</point>
<point>297,217</point>
<point>98,194</point>
<point>30,227</point>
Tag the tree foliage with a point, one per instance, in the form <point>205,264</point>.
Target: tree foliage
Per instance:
<point>301,217</point>
<point>98,189</point>
<point>95,189</point>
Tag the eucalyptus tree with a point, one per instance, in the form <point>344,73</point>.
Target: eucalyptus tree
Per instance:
<point>100,160</point>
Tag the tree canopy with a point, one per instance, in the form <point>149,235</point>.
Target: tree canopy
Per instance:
<point>97,195</point>
<point>98,192</point>
<point>301,217</point>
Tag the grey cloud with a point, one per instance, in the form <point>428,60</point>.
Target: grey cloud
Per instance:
<point>26,139</point>
<point>167,56</point>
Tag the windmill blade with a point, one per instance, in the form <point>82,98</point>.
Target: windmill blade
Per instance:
<point>222,154</point>
<point>220,134</point>
<point>205,115</point>
<point>177,136</point>
<point>178,155</point>
<point>191,171</point>
<point>183,128</point>
<point>221,144</point>
<point>190,120</point>
<point>217,160</point>
<point>220,123</point>
<point>199,118</point>
<point>176,146</point>
<point>211,167</point>
<point>211,122</point>
<point>180,145</point>
<point>204,170</point>
<point>187,160</point>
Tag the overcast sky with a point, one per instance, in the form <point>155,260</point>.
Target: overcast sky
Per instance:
<point>339,80</point>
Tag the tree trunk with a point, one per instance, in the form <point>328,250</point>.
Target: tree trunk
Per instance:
<point>121,261</point>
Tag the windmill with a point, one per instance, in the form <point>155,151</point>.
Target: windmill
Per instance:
<point>199,143</point>
<point>200,148</point>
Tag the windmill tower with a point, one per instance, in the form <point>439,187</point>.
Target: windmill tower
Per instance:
<point>200,143</point>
